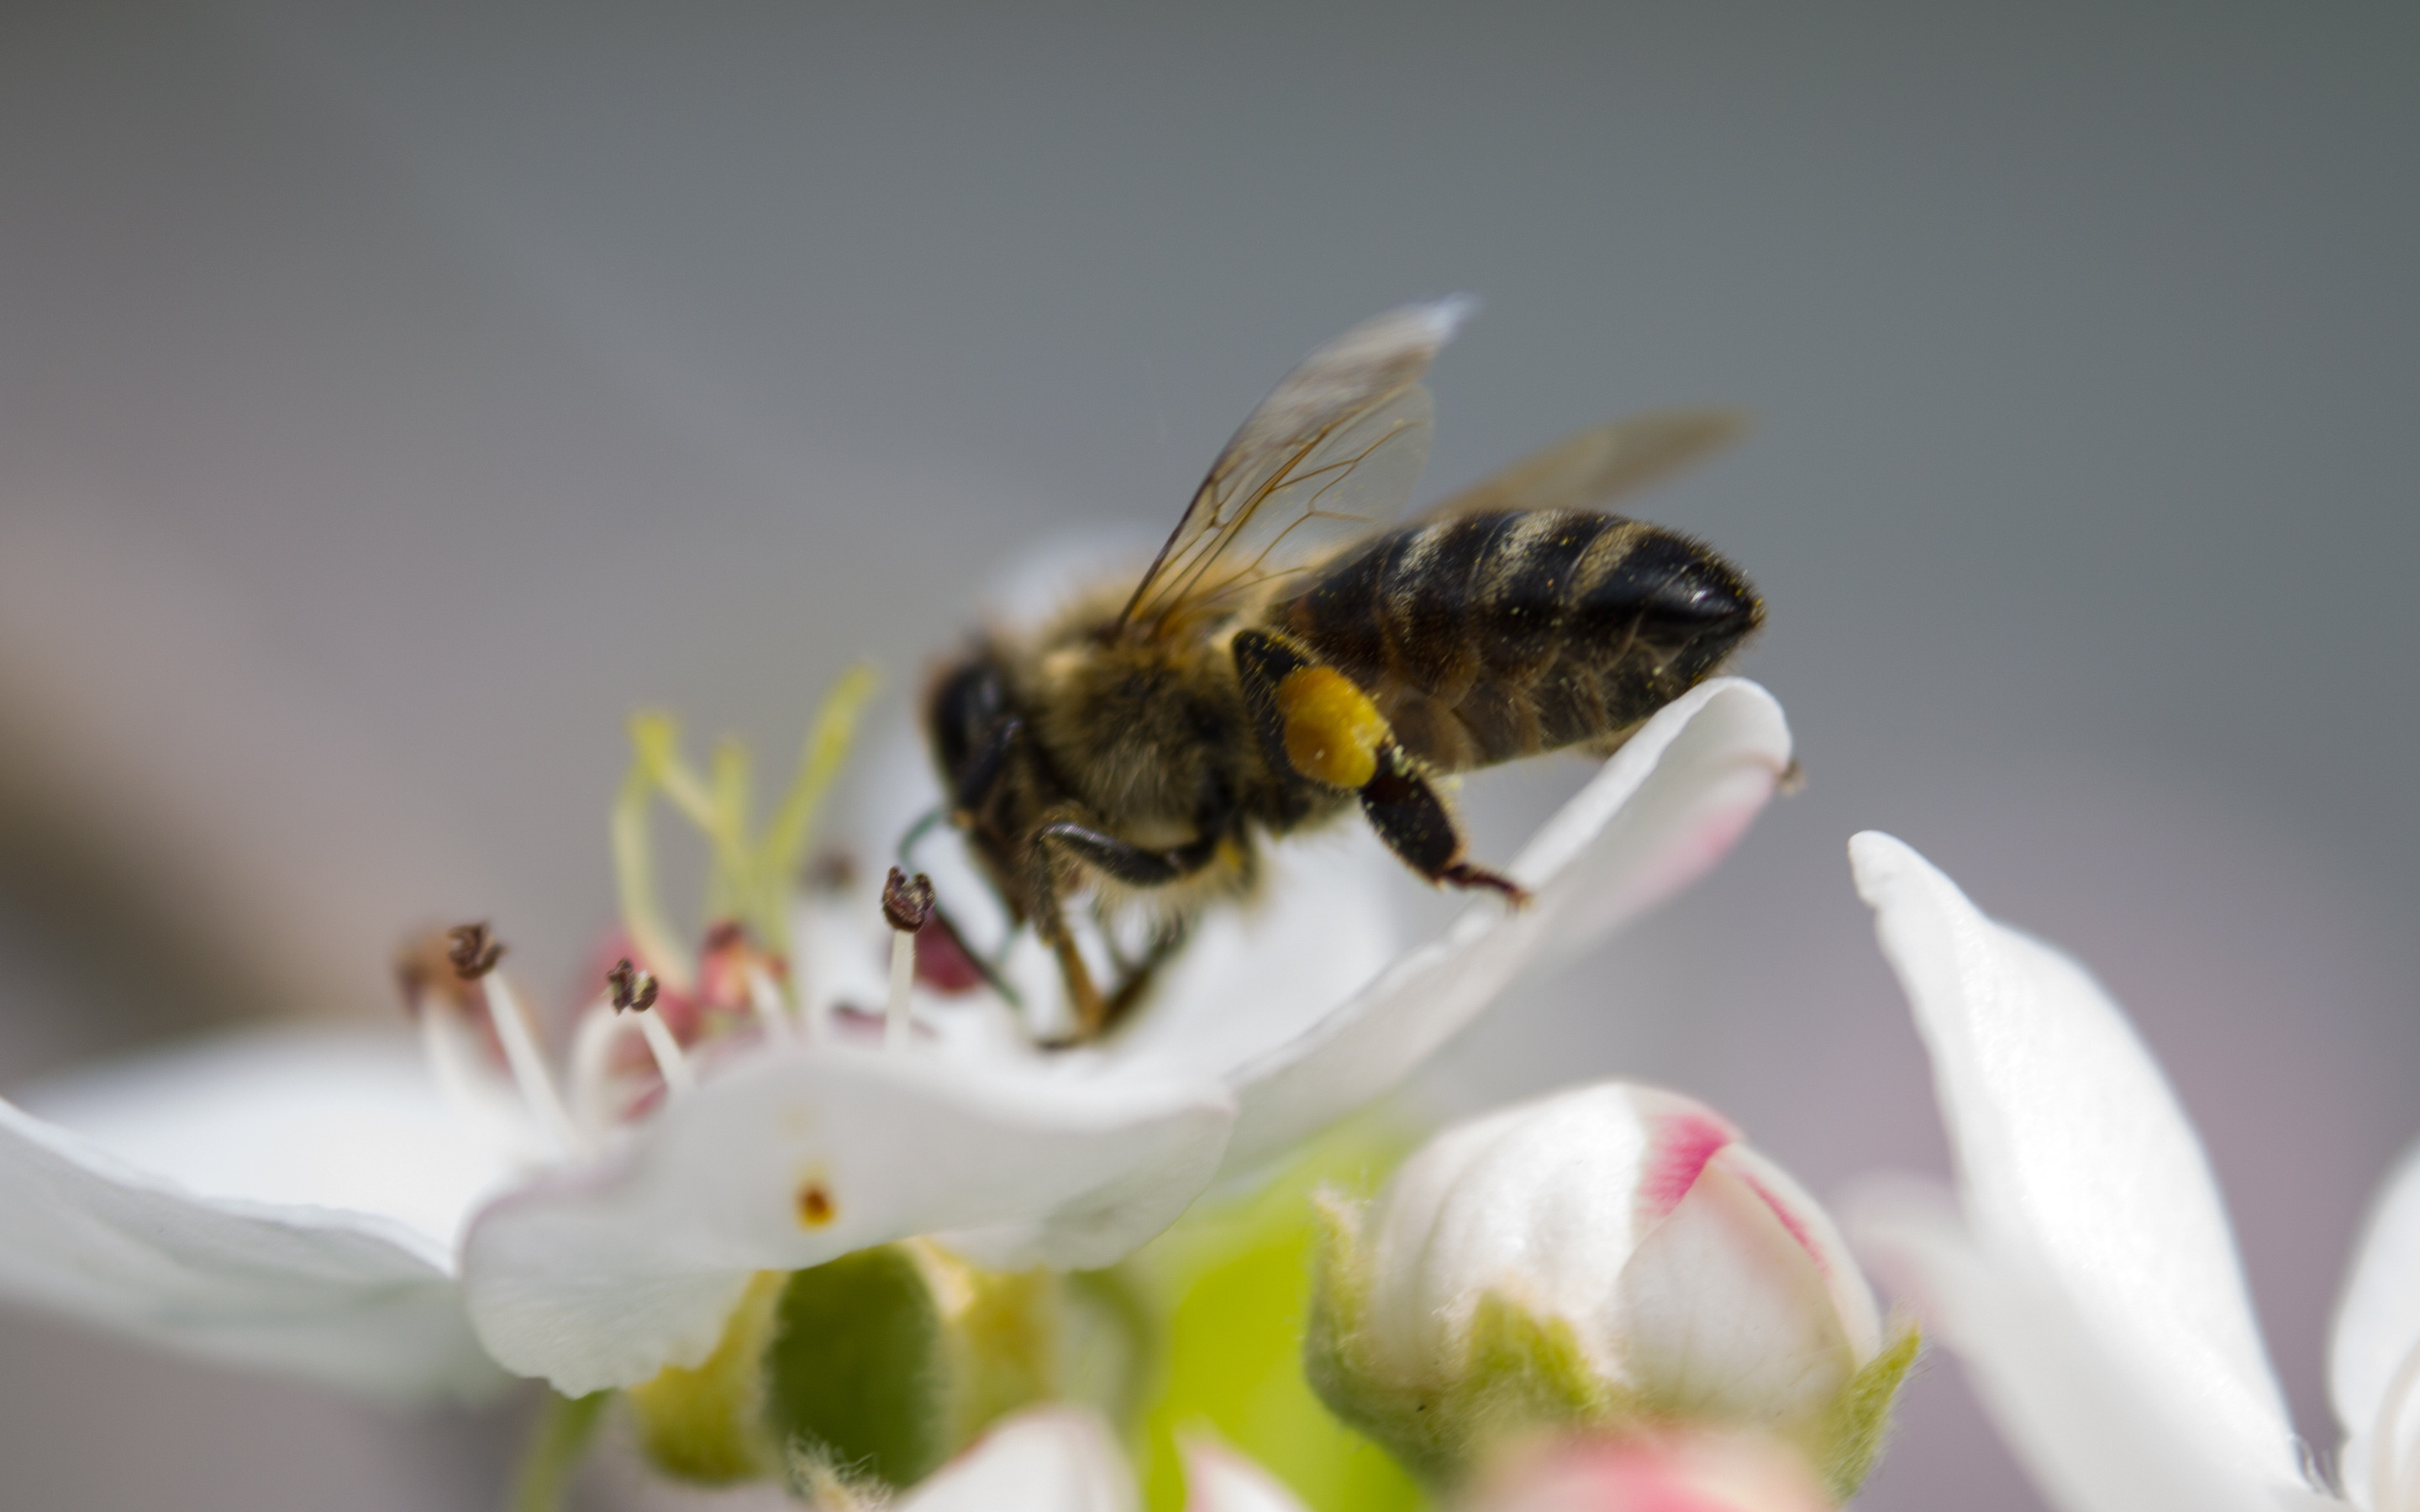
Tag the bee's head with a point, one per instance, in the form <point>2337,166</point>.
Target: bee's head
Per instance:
<point>964,709</point>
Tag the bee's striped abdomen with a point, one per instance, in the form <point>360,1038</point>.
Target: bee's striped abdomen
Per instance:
<point>1485,636</point>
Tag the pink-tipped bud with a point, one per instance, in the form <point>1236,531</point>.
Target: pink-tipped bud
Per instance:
<point>1605,1259</point>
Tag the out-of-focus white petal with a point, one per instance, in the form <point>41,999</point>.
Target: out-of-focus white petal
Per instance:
<point>600,1274</point>
<point>1663,810</point>
<point>322,1118</point>
<point>2093,1417</point>
<point>350,1298</point>
<point>1046,1459</point>
<point>2075,1158</point>
<point>1723,1310</point>
<point>1217,1479</point>
<point>2378,1330</point>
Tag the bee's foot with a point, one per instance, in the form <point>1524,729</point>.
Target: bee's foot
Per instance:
<point>1470,875</point>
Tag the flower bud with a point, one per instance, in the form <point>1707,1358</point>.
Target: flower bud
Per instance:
<point>1606,1258</point>
<point>1696,1473</point>
<point>885,1362</point>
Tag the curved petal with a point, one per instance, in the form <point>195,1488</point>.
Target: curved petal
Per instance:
<point>2099,1433</point>
<point>348,1298</point>
<point>2376,1336</point>
<point>2074,1157</point>
<point>601,1274</point>
<point>323,1118</point>
<point>1725,1312</point>
<point>1258,975</point>
<point>1660,814</point>
<point>1217,1479</point>
<point>1046,1459</point>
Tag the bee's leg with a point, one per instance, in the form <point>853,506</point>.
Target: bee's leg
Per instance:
<point>1415,825</point>
<point>1318,728</point>
<point>1129,863</point>
<point>1140,976</point>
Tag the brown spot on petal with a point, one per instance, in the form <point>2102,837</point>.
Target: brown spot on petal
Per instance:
<point>815,1207</point>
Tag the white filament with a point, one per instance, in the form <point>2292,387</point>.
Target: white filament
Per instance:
<point>527,1064</point>
<point>895,1025</point>
<point>766,1000</point>
<point>670,1059</point>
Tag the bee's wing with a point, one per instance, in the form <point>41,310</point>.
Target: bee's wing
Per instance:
<point>1600,464</point>
<point>1331,453</point>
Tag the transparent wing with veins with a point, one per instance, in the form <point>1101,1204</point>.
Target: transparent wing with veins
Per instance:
<point>1599,465</point>
<point>1329,456</point>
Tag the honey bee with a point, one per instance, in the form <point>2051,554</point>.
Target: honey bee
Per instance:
<point>1286,656</point>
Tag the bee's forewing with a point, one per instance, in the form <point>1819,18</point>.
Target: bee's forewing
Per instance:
<point>1601,464</point>
<point>1331,453</point>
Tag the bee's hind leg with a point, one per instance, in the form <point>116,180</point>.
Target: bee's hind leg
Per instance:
<point>1417,825</point>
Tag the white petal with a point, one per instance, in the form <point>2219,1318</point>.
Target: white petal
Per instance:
<point>1257,976</point>
<point>348,1298</point>
<point>2098,1432</point>
<point>603,1274</point>
<point>1661,811</point>
<point>1217,1479</point>
<point>1540,1202</point>
<point>1815,1232</point>
<point>313,1117</point>
<point>1723,1312</point>
<point>2377,1322</point>
<point>1044,1459</point>
<point>2074,1155</point>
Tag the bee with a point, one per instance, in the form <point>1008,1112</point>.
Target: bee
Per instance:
<point>1286,656</point>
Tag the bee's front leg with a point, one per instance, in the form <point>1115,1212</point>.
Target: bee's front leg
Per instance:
<point>1070,839</point>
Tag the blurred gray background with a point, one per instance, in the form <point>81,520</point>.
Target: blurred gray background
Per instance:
<point>394,395</point>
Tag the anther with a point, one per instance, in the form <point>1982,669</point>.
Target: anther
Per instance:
<point>635,990</point>
<point>632,989</point>
<point>473,950</point>
<point>907,903</point>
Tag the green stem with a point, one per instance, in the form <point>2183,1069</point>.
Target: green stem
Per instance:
<point>562,1432</point>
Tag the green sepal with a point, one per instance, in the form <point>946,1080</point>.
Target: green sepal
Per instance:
<point>889,1361</point>
<point>879,1364</point>
<point>1850,1438</point>
<point>708,1424</point>
<point>1520,1372</point>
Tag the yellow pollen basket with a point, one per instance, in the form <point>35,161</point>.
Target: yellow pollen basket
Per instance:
<point>1333,729</point>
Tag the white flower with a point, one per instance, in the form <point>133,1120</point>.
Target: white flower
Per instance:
<point>2090,1279</point>
<point>259,1202</point>
<point>1609,1256</point>
<point>1063,1459</point>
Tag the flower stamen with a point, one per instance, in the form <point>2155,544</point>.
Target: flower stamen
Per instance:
<point>766,1000</point>
<point>634,991</point>
<point>475,954</point>
<point>907,903</point>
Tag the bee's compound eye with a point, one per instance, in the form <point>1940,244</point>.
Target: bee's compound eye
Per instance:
<point>965,703</point>
<point>1333,729</point>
